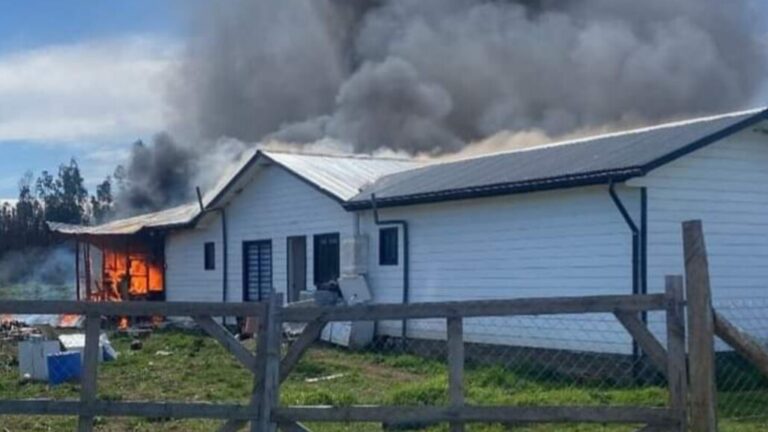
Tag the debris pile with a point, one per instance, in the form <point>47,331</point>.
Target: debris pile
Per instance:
<point>14,331</point>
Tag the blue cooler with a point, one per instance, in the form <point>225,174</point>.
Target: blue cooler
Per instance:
<point>63,367</point>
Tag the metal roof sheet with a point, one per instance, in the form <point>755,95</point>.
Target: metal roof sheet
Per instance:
<point>352,179</point>
<point>342,176</point>
<point>180,215</point>
<point>617,156</point>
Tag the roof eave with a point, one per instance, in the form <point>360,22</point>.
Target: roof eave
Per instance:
<point>703,142</point>
<point>563,182</point>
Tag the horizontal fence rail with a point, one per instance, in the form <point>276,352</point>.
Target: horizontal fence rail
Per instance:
<point>485,414</point>
<point>132,309</point>
<point>482,308</point>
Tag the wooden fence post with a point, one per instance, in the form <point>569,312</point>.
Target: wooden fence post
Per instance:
<point>677,375</point>
<point>456,367</point>
<point>271,378</point>
<point>89,373</point>
<point>701,331</point>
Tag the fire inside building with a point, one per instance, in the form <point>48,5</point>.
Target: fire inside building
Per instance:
<point>122,268</point>
<point>121,261</point>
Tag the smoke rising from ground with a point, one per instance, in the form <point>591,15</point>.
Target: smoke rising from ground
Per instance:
<point>433,75</point>
<point>51,276</point>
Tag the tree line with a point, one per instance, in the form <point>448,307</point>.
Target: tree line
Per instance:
<point>56,197</point>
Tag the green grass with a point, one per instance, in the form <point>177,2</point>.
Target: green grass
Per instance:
<point>200,370</point>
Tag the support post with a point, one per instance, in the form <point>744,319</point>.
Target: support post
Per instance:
<point>270,395</point>
<point>701,332</point>
<point>77,269</point>
<point>89,376</point>
<point>456,367</point>
<point>677,375</point>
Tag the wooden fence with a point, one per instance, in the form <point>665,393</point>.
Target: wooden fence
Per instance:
<point>272,363</point>
<point>270,367</point>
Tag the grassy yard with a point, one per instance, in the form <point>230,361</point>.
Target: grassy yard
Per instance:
<point>184,366</point>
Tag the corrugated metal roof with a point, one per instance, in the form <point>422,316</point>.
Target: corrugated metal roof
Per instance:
<point>180,215</point>
<point>616,156</point>
<point>342,176</point>
<point>352,179</point>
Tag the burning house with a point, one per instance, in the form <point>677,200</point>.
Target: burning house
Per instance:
<point>125,259</point>
<point>594,216</point>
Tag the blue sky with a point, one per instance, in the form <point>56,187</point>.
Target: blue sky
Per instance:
<point>83,79</point>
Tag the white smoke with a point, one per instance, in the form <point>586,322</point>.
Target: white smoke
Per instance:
<point>38,274</point>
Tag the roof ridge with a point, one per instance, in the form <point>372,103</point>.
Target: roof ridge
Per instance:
<point>612,134</point>
<point>340,155</point>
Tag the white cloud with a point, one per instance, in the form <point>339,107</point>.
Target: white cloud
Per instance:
<point>87,91</point>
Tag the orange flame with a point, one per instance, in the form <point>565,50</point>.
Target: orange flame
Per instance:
<point>129,275</point>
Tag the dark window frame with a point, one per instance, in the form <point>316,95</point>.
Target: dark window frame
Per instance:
<point>257,243</point>
<point>209,256</point>
<point>316,240</point>
<point>389,246</point>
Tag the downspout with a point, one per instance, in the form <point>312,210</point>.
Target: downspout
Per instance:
<point>639,238</point>
<point>225,254</point>
<point>406,270</point>
<point>635,237</point>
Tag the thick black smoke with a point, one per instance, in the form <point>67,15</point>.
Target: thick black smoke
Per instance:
<point>432,75</point>
<point>157,176</point>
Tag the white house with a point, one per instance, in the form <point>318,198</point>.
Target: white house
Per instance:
<point>594,216</point>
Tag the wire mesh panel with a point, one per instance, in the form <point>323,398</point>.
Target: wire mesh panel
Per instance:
<point>527,361</point>
<point>742,389</point>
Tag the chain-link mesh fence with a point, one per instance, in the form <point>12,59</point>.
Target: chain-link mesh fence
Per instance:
<point>742,390</point>
<point>560,360</point>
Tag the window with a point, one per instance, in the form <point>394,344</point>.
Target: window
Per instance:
<point>257,270</point>
<point>388,238</point>
<point>210,256</point>
<point>326,250</point>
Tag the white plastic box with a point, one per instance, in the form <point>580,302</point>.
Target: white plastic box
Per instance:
<point>33,355</point>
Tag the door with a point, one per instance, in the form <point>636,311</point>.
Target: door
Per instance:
<point>257,270</point>
<point>326,262</point>
<point>297,266</point>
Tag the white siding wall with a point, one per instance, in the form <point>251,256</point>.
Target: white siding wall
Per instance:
<point>560,243</point>
<point>185,275</point>
<point>275,205</point>
<point>726,186</point>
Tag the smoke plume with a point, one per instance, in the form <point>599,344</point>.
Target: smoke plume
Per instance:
<point>156,176</point>
<point>434,75</point>
<point>440,77</point>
